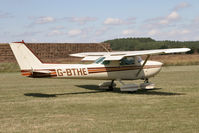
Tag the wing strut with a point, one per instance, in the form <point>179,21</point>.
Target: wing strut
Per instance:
<point>105,48</point>
<point>143,65</point>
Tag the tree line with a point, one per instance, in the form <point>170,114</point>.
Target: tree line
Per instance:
<point>130,44</point>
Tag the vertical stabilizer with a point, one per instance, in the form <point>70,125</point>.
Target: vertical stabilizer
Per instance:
<point>24,56</point>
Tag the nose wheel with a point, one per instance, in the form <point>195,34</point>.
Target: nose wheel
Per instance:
<point>147,85</point>
<point>146,80</point>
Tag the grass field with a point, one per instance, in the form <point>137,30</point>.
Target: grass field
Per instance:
<point>61,105</point>
<point>177,59</point>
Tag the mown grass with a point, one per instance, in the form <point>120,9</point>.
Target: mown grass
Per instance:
<point>9,67</point>
<point>62,105</point>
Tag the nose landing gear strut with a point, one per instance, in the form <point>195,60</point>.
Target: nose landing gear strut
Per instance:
<point>147,85</point>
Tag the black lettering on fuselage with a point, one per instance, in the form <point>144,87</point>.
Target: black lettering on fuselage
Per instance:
<point>59,72</point>
<point>72,72</point>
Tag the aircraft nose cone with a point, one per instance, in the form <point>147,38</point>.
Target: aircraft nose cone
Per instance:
<point>158,63</point>
<point>156,68</point>
<point>159,66</point>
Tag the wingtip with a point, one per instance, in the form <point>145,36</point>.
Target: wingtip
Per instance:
<point>177,50</point>
<point>188,49</point>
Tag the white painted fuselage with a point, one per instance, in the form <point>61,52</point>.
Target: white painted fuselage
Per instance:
<point>96,71</point>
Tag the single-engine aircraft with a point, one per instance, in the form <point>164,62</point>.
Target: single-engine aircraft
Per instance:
<point>113,66</point>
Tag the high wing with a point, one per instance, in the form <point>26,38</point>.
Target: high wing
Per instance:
<point>92,56</point>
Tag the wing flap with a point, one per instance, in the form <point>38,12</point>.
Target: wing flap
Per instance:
<point>89,54</point>
<point>90,58</point>
<point>112,58</point>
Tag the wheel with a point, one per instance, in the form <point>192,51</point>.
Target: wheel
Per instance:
<point>110,88</point>
<point>146,80</point>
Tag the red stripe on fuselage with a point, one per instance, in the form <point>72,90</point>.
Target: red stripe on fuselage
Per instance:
<point>119,68</point>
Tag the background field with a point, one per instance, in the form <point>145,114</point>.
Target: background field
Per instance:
<point>61,105</point>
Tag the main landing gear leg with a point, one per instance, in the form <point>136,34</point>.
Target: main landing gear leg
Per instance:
<point>107,85</point>
<point>110,88</point>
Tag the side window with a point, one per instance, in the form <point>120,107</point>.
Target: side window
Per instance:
<point>127,61</point>
<point>106,62</point>
<point>139,59</point>
<point>131,60</point>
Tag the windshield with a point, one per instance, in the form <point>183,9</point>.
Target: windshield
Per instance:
<point>99,60</point>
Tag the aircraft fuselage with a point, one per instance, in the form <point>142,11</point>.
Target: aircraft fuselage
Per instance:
<point>95,71</point>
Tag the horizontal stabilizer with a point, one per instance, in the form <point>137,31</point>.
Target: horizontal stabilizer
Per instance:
<point>39,73</point>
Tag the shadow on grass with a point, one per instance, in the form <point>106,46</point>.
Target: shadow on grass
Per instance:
<point>146,92</point>
<point>40,95</point>
<point>96,89</point>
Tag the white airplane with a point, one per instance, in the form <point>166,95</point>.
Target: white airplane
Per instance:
<point>113,66</point>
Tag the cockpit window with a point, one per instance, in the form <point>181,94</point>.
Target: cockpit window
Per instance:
<point>106,62</point>
<point>139,59</point>
<point>127,61</point>
<point>99,60</point>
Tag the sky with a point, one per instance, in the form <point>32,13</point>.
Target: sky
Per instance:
<point>98,20</point>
